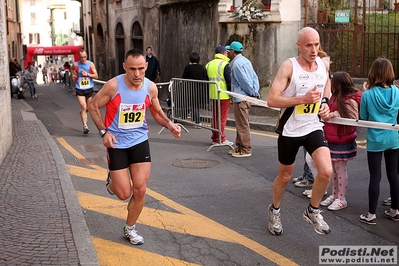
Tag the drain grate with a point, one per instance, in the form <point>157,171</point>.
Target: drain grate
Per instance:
<point>195,163</point>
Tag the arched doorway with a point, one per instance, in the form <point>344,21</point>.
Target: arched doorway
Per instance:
<point>137,36</point>
<point>120,48</point>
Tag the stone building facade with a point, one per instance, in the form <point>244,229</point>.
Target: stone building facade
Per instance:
<point>6,136</point>
<point>175,28</point>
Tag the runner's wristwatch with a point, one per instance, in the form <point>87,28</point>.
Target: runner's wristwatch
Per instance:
<point>102,132</point>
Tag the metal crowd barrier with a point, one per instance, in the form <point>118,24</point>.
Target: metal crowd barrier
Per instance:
<point>190,105</point>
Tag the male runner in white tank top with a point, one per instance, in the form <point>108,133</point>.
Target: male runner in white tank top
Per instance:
<point>302,83</point>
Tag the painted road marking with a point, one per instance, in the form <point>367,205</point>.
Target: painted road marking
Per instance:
<point>185,221</point>
<point>108,251</point>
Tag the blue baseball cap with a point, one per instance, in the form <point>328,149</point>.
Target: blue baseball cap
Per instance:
<point>235,46</point>
<point>220,49</point>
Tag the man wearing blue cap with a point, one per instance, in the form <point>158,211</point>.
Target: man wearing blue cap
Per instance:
<point>219,71</point>
<point>243,81</point>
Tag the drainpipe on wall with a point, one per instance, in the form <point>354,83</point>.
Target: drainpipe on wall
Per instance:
<point>306,12</point>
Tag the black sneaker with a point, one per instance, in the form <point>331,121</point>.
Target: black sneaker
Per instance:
<point>107,184</point>
<point>365,219</point>
<point>389,215</point>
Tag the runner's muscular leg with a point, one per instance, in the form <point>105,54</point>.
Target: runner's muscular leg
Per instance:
<point>281,181</point>
<point>83,109</point>
<point>121,184</point>
<point>322,159</point>
<point>140,173</point>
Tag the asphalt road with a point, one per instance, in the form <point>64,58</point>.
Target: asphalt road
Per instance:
<point>204,207</point>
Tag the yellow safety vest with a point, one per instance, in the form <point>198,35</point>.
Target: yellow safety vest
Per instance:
<point>215,69</point>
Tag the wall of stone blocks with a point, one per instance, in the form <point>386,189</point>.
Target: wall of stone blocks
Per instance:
<point>6,135</point>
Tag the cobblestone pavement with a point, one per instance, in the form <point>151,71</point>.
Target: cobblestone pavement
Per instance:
<point>41,220</point>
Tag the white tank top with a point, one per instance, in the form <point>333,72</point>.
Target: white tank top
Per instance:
<point>304,118</point>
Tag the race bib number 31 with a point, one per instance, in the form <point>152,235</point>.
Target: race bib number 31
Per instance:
<point>131,115</point>
<point>305,111</point>
<point>308,109</point>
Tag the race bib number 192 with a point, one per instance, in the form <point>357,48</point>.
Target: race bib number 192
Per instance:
<point>131,115</point>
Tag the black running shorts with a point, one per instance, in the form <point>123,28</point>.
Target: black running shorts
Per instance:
<point>86,93</point>
<point>122,158</point>
<point>288,146</point>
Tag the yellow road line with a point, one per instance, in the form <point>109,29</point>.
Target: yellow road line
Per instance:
<point>185,222</point>
<point>109,253</point>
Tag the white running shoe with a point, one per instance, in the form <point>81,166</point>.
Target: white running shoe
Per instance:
<point>275,226</point>
<point>226,142</point>
<point>337,205</point>
<point>307,192</point>
<point>130,233</point>
<point>107,184</point>
<point>317,220</point>
<point>327,201</point>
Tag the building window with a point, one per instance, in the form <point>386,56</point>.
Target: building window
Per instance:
<point>33,18</point>
<point>32,2</point>
<point>34,38</point>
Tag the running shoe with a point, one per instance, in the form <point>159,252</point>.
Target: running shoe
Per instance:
<point>297,179</point>
<point>308,193</point>
<point>317,220</point>
<point>327,201</point>
<point>130,233</point>
<point>226,142</point>
<point>387,202</point>
<point>365,218</point>
<point>304,183</point>
<point>389,215</point>
<point>85,130</point>
<point>337,205</point>
<point>107,184</point>
<point>275,226</point>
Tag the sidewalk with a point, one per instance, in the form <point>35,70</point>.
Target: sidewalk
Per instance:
<point>41,220</point>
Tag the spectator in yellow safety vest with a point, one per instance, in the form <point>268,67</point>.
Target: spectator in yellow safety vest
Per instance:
<point>219,71</point>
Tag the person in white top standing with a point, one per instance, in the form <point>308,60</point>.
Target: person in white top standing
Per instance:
<point>299,89</point>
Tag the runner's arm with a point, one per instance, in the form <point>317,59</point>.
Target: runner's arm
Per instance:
<point>159,115</point>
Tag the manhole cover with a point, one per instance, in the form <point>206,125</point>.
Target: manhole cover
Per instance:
<point>195,163</point>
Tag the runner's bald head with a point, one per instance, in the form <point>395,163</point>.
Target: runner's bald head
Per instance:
<point>305,31</point>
